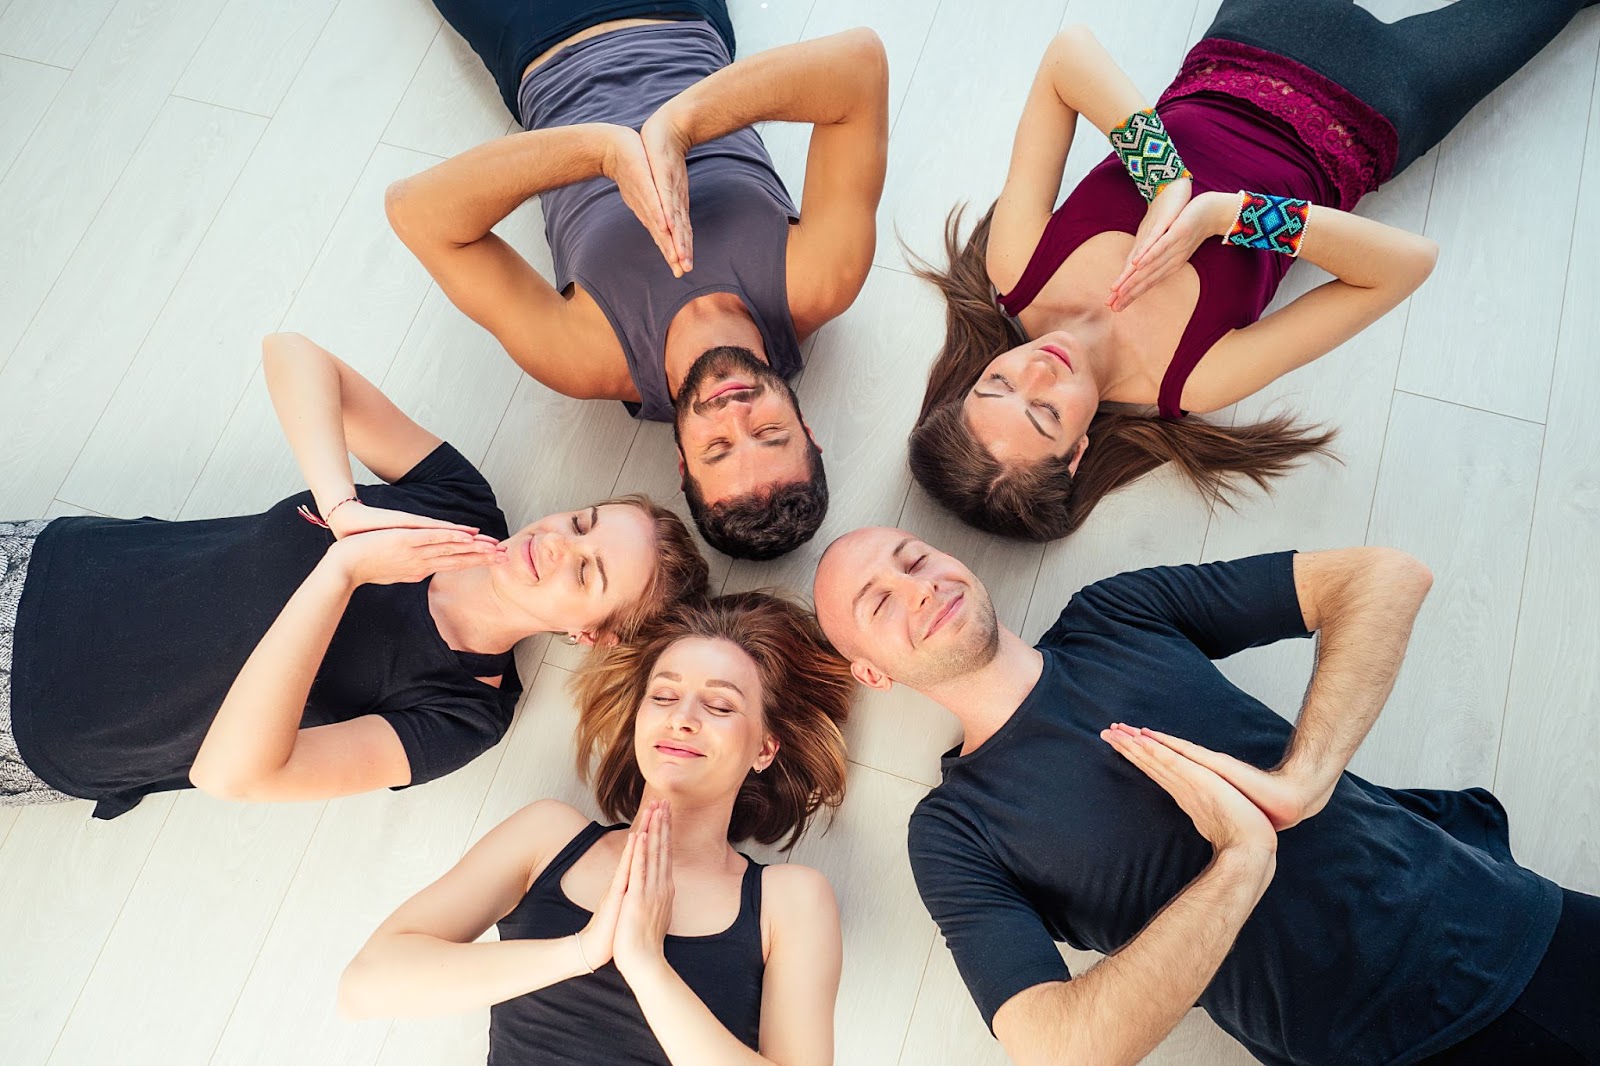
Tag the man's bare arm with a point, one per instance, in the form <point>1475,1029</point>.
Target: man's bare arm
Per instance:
<point>1124,1007</point>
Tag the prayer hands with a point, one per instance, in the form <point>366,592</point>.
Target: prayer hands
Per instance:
<point>1284,797</point>
<point>1174,227</point>
<point>650,172</point>
<point>599,936</point>
<point>646,910</point>
<point>1221,812</point>
<point>394,556</point>
<point>356,517</point>
<point>666,147</point>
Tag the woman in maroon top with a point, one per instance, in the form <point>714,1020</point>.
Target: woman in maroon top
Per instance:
<point>1057,318</point>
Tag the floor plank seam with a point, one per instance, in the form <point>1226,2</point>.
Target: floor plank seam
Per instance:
<point>88,975</point>
<point>156,320</point>
<point>922,979</point>
<point>213,103</point>
<point>1481,410</point>
<point>30,59</point>
<point>288,886</point>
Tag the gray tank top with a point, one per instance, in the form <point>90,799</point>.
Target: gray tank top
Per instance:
<point>738,205</point>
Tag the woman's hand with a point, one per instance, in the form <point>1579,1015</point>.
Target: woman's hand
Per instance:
<point>599,936</point>
<point>626,162</point>
<point>647,902</point>
<point>392,556</point>
<point>1167,245</point>
<point>666,147</point>
<point>356,517</point>
<point>1221,813</point>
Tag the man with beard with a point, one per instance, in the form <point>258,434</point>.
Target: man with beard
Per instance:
<point>685,280</point>
<point>1113,790</point>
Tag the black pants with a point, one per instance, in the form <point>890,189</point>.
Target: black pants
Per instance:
<point>1556,1020</point>
<point>508,34</point>
<point>1422,73</point>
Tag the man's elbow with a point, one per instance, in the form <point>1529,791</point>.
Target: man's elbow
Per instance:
<point>400,207</point>
<point>1401,572</point>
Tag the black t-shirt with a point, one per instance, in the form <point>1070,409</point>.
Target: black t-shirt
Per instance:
<point>1397,922</point>
<point>131,632</point>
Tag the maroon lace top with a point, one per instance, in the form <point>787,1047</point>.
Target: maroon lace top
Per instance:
<point>1242,118</point>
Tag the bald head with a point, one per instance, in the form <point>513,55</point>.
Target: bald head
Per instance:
<point>901,610</point>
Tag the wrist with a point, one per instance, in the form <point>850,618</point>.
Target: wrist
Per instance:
<point>643,965</point>
<point>336,569</point>
<point>1250,862</point>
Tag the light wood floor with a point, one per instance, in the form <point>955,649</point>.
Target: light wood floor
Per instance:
<point>179,177</point>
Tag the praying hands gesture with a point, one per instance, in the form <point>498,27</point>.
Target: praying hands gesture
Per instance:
<point>1173,229</point>
<point>1222,812</point>
<point>645,912</point>
<point>650,172</point>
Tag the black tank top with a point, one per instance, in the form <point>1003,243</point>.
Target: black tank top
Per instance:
<point>595,1018</point>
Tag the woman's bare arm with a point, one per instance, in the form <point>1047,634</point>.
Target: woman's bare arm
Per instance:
<point>1375,267</point>
<point>1077,76</point>
<point>422,960</point>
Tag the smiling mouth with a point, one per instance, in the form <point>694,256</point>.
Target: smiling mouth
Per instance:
<point>1060,353</point>
<point>944,616</point>
<point>730,387</point>
<point>682,753</point>
<point>531,564</point>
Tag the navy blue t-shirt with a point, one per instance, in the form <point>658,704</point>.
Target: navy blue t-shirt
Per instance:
<point>131,632</point>
<point>1396,925</point>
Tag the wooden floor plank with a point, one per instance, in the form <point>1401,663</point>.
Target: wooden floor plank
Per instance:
<point>26,91</point>
<point>93,127</point>
<point>57,32</point>
<point>203,349</point>
<point>253,53</point>
<point>75,353</point>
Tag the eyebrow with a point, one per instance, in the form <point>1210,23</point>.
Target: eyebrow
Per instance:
<point>600,564</point>
<point>715,682</point>
<point>870,585</point>
<point>1031,420</point>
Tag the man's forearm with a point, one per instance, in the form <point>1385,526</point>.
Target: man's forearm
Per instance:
<point>1366,609</point>
<point>463,198</point>
<point>1125,1006</point>
<point>824,81</point>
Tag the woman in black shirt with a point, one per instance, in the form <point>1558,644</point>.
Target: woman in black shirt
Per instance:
<point>722,725</point>
<point>336,643</point>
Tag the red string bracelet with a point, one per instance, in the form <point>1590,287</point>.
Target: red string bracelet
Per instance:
<point>311,516</point>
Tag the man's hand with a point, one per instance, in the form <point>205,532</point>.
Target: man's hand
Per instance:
<point>625,162</point>
<point>666,145</point>
<point>394,556</point>
<point>1221,812</point>
<point>1285,796</point>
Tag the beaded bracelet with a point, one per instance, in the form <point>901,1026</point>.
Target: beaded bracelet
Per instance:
<point>1269,223</point>
<point>1141,142</point>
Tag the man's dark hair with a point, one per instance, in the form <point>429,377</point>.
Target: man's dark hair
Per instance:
<point>767,523</point>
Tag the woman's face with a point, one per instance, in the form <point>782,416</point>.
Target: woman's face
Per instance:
<point>571,571</point>
<point>1033,402</point>
<point>701,729</point>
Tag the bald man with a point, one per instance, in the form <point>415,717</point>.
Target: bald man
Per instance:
<point>1114,791</point>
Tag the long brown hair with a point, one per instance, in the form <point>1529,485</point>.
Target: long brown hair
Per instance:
<point>807,689</point>
<point>680,572</point>
<point>1044,500</point>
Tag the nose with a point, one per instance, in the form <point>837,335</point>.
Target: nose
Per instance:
<point>555,546</point>
<point>1038,374</point>
<point>685,717</point>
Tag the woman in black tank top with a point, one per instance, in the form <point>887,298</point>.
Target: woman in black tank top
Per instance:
<point>651,944</point>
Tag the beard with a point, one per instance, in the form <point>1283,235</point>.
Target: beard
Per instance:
<point>716,363</point>
<point>979,643</point>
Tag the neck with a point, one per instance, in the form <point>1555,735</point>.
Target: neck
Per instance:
<point>472,615</point>
<point>1099,346</point>
<point>710,321</point>
<point>699,830</point>
<point>985,699</point>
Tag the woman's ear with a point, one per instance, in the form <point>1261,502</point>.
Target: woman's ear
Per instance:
<point>768,752</point>
<point>1077,457</point>
<point>590,638</point>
